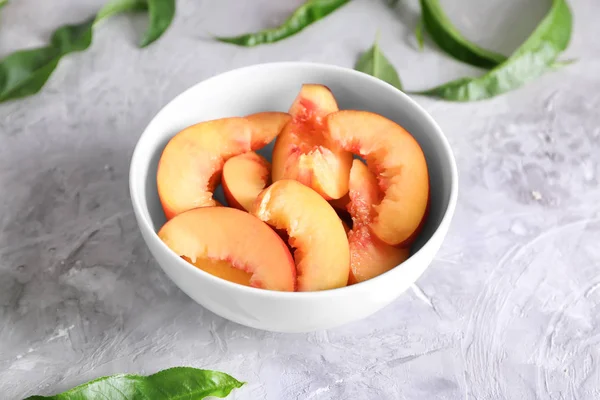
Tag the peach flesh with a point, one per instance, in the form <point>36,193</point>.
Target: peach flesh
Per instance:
<point>304,153</point>
<point>224,270</point>
<point>218,238</point>
<point>315,231</point>
<point>191,164</point>
<point>244,177</point>
<point>399,165</point>
<point>369,256</point>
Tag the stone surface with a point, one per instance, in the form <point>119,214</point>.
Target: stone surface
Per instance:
<point>508,310</point>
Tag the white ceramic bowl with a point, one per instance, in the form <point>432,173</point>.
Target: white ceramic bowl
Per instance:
<point>273,87</point>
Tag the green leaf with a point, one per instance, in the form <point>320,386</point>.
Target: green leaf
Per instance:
<point>161,16</point>
<point>374,63</point>
<point>120,6</point>
<point>536,56</point>
<point>174,383</point>
<point>419,34</point>
<point>308,13</point>
<point>558,64</point>
<point>24,73</point>
<point>451,41</point>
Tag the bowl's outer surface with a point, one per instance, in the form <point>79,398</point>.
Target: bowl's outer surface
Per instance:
<point>272,87</point>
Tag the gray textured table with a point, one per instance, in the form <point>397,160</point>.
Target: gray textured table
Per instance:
<point>508,310</point>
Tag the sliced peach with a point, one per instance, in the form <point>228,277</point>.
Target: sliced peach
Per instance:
<point>244,177</point>
<point>369,256</point>
<point>223,269</point>
<point>302,151</point>
<point>363,194</point>
<point>219,239</point>
<point>399,165</point>
<point>190,166</point>
<point>315,232</point>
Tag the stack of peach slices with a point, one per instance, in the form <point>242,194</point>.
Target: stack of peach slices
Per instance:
<point>317,218</point>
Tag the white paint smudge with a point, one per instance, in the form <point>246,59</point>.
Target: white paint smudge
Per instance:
<point>322,390</point>
<point>421,295</point>
<point>60,333</point>
<point>536,195</point>
<point>518,228</point>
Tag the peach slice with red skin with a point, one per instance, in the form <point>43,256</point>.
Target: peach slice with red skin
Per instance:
<point>233,245</point>
<point>315,231</point>
<point>191,163</point>
<point>244,177</point>
<point>222,269</point>
<point>304,153</point>
<point>399,165</point>
<point>369,256</point>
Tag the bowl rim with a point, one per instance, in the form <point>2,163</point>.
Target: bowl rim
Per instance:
<point>137,161</point>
